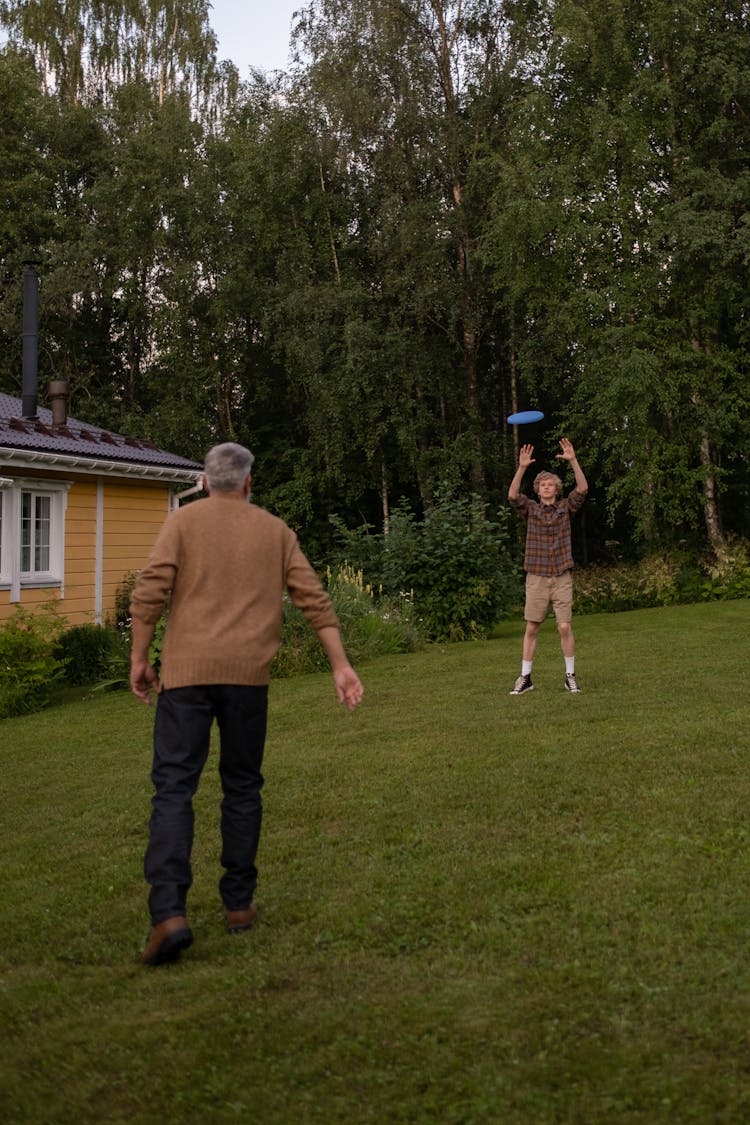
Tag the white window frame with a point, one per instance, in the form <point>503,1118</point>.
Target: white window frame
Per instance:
<point>11,575</point>
<point>3,537</point>
<point>7,507</point>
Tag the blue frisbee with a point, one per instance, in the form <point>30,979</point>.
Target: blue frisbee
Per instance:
<point>524,417</point>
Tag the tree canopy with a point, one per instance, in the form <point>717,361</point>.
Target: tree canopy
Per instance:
<point>445,211</point>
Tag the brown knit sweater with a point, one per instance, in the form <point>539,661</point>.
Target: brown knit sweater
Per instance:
<point>223,565</point>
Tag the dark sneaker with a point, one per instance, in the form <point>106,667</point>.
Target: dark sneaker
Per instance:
<point>523,683</point>
<point>571,683</point>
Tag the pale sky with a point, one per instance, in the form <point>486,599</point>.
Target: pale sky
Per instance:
<point>254,33</point>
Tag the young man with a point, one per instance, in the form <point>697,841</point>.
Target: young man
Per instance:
<point>223,564</point>
<point>549,560</point>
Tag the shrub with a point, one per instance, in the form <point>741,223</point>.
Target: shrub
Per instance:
<point>729,575</point>
<point>88,651</point>
<point>122,601</point>
<point>371,625</point>
<point>300,649</point>
<point>664,579</point>
<point>29,668</point>
<point>455,564</point>
<point>611,589</point>
<point>117,666</point>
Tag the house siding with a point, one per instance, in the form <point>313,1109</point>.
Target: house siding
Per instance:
<point>133,515</point>
<point>80,558</point>
<point>131,512</point>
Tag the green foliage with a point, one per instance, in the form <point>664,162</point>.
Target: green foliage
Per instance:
<point>357,270</point>
<point>157,643</point>
<point>123,594</point>
<point>620,231</point>
<point>662,580</point>
<point>371,625</point>
<point>455,564</point>
<point>116,673</point>
<point>84,50</point>
<point>88,652</point>
<point>611,589</point>
<point>29,664</point>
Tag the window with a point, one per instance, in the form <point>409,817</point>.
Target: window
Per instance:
<point>32,533</point>
<point>5,500</point>
<point>35,533</point>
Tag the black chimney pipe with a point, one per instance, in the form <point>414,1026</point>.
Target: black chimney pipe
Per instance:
<point>30,385</point>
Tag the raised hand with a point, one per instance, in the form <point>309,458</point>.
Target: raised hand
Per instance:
<point>568,452</point>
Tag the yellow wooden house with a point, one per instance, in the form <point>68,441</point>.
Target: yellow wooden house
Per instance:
<point>80,508</point>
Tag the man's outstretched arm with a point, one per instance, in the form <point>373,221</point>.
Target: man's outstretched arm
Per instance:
<point>569,454</point>
<point>525,458</point>
<point>346,681</point>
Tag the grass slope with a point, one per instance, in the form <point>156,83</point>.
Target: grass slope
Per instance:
<point>474,908</point>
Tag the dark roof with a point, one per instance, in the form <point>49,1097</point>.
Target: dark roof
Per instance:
<point>79,439</point>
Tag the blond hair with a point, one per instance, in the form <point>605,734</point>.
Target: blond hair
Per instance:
<point>548,476</point>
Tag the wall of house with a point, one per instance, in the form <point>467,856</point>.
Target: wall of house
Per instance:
<point>133,514</point>
<point>113,520</point>
<point>80,553</point>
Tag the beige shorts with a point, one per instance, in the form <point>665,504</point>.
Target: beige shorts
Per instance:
<point>541,591</point>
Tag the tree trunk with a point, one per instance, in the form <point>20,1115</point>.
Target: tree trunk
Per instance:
<point>711,511</point>
<point>384,496</point>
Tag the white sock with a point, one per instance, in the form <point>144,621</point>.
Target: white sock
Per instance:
<point>570,665</point>
<point>526,667</point>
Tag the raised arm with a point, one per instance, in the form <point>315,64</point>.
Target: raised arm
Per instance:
<point>569,454</point>
<point>525,458</point>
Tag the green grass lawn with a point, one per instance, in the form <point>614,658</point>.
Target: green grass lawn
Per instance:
<point>474,907</point>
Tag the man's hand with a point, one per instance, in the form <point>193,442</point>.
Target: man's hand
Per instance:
<point>526,457</point>
<point>568,452</point>
<point>143,680</point>
<point>348,686</point>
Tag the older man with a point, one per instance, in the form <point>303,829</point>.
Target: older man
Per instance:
<point>223,565</point>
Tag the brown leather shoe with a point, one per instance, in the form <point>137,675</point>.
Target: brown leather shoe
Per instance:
<point>238,920</point>
<point>167,941</point>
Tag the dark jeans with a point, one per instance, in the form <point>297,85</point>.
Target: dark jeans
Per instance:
<point>182,729</point>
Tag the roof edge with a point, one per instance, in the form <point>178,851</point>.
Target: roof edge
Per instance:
<point>93,466</point>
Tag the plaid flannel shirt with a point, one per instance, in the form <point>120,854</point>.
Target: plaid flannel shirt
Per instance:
<point>548,549</point>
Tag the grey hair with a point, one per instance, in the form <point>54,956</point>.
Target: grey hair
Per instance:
<point>226,466</point>
<point>551,476</point>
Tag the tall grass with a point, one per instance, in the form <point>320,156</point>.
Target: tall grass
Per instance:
<point>474,908</point>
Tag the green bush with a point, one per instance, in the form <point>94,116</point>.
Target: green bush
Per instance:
<point>664,579</point>
<point>455,564</point>
<point>122,601</point>
<point>371,625</point>
<point>29,668</point>
<point>116,672</point>
<point>88,652</point>
<point>611,589</point>
<point>728,577</point>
